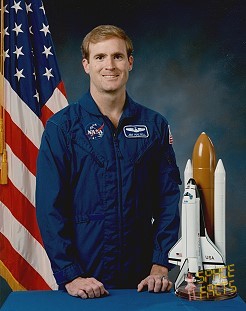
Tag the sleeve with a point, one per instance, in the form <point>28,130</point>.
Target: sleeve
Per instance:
<point>53,204</point>
<point>166,218</point>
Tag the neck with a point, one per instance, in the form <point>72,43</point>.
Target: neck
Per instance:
<point>111,105</point>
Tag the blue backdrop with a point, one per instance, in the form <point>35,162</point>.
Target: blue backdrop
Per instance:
<point>190,65</point>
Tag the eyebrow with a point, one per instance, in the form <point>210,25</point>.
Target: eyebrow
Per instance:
<point>114,54</point>
<point>99,54</point>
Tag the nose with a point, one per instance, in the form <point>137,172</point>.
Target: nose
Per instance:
<point>110,65</point>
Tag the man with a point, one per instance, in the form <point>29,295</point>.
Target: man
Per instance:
<point>107,181</point>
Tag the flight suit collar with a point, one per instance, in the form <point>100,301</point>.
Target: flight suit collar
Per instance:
<point>88,103</point>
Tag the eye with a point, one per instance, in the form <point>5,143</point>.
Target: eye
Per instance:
<point>99,57</point>
<point>118,56</point>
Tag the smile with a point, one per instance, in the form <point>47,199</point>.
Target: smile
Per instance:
<point>110,76</point>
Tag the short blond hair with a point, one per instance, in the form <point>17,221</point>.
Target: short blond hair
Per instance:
<point>103,32</point>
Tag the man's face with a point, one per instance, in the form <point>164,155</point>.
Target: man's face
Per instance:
<point>108,65</point>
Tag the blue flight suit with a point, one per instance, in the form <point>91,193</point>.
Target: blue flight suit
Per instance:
<point>107,199</point>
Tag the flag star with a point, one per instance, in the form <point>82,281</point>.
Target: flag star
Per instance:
<point>18,51</point>
<point>19,74</point>
<point>48,73</point>
<point>6,53</point>
<point>42,8</point>
<point>37,95</point>
<point>6,33</point>
<point>17,29</point>
<point>5,9</point>
<point>47,51</point>
<point>28,8</point>
<point>16,6</point>
<point>45,29</point>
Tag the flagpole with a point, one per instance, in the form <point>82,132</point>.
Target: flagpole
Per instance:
<point>3,152</point>
<point>1,80</point>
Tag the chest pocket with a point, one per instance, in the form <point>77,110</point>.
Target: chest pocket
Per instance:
<point>136,150</point>
<point>148,152</point>
<point>146,163</point>
<point>80,146</point>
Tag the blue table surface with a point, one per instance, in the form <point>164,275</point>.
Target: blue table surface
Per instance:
<point>118,300</point>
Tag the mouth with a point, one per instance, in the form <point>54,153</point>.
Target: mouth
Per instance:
<point>110,76</point>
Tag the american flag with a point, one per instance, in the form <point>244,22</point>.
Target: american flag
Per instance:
<point>33,91</point>
<point>170,135</point>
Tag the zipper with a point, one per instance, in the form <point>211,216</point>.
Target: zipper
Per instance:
<point>118,156</point>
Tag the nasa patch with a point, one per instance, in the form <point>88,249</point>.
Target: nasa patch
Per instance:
<point>94,131</point>
<point>136,131</point>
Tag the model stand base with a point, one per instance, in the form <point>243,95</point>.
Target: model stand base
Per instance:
<point>200,294</point>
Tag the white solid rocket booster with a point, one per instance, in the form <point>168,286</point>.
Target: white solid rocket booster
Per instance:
<point>219,208</point>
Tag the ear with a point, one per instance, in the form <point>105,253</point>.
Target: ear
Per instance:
<point>130,59</point>
<point>86,65</point>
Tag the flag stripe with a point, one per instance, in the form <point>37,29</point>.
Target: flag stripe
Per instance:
<point>20,269</point>
<point>61,88</point>
<point>21,177</point>
<point>22,147</point>
<point>19,207</point>
<point>46,114</point>
<point>34,255</point>
<point>58,100</point>
<point>22,134</point>
<point>7,275</point>
<point>23,116</point>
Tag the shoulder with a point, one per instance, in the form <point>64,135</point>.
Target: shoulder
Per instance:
<point>66,114</point>
<point>147,112</point>
<point>67,118</point>
<point>149,116</point>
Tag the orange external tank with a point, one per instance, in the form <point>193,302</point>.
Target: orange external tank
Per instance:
<point>203,162</point>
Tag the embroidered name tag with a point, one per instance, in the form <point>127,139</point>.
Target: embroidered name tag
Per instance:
<point>136,131</point>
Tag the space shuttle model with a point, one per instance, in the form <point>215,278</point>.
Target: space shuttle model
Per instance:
<point>202,242</point>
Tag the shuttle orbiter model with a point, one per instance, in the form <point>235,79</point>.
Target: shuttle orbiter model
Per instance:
<point>202,242</point>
